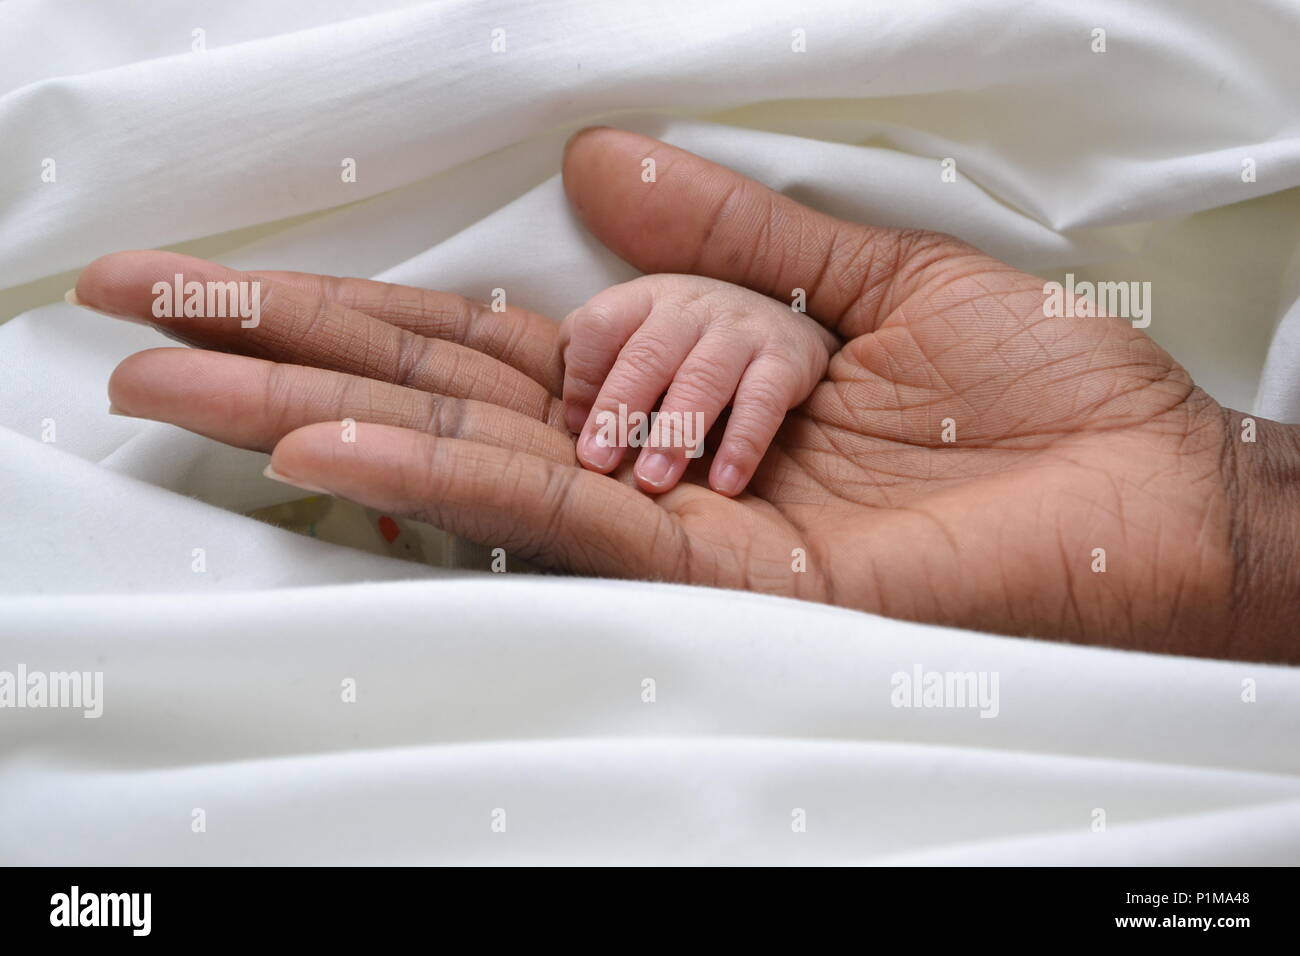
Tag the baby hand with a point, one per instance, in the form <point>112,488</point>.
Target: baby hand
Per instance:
<point>702,342</point>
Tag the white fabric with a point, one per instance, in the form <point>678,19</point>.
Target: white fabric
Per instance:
<point>477,694</point>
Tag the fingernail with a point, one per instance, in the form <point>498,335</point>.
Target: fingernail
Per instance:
<point>597,455</point>
<point>655,468</point>
<point>285,479</point>
<point>114,410</point>
<point>728,481</point>
<point>71,298</point>
<point>574,418</point>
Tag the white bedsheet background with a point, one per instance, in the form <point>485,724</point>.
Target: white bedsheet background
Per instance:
<point>222,689</point>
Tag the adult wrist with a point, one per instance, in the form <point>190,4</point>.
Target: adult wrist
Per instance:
<point>1261,463</point>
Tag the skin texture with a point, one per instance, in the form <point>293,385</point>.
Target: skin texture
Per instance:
<point>696,343</point>
<point>1071,434</point>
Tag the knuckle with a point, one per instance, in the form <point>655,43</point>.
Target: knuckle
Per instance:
<point>641,359</point>
<point>745,443</point>
<point>765,391</point>
<point>706,381</point>
<point>708,305</point>
<point>557,496</point>
<point>413,351</point>
<point>578,388</point>
<point>584,369</point>
<point>449,417</point>
<point>278,397</point>
<point>597,321</point>
<point>398,302</point>
<point>692,397</point>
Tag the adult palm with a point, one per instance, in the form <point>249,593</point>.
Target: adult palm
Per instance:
<point>967,460</point>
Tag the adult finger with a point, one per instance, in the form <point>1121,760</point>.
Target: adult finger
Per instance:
<point>299,326</point>
<point>560,516</point>
<point>252,403</point>
<point>522,339</point>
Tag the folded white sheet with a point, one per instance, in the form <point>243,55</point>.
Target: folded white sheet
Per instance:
<point>223,689</point>
<point>528,696</point>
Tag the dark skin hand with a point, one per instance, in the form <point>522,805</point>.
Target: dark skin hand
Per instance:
<point>1072,434</point>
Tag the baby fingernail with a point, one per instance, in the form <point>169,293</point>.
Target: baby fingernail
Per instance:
<point>655,468</point>
<point>728,480</point>
<point>596,454</point>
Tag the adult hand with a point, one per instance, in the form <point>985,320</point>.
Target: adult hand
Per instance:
<point>1077,441</point>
